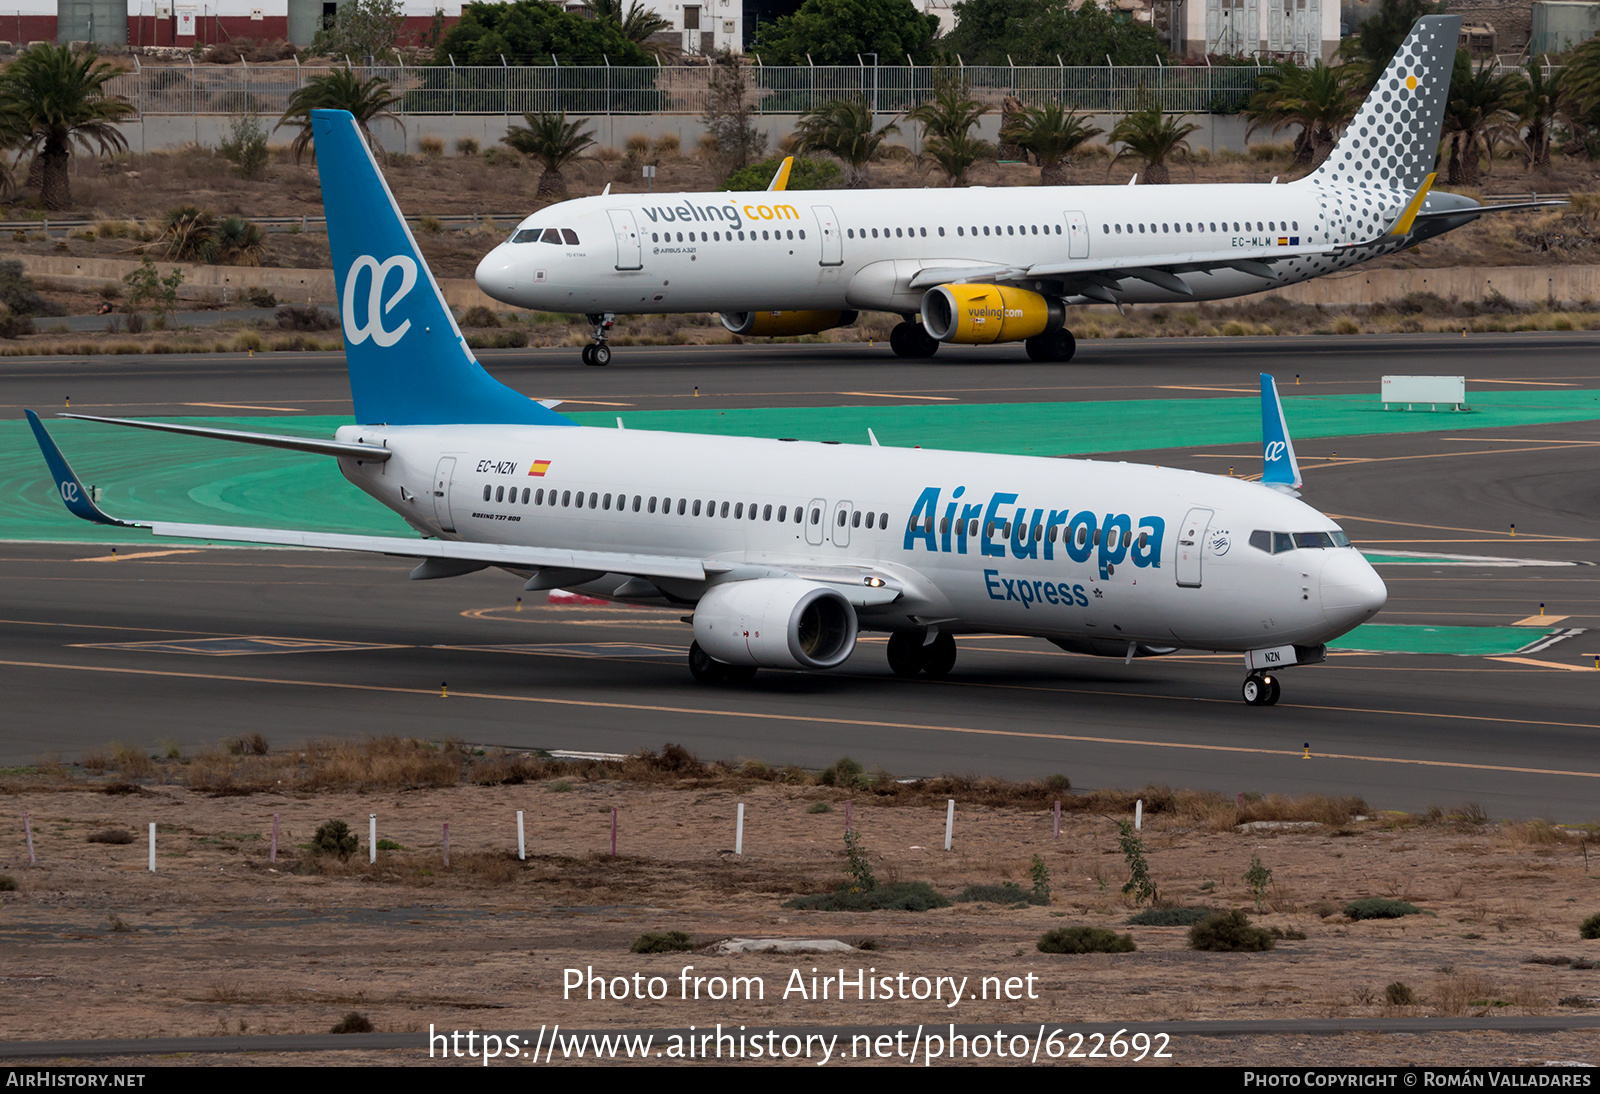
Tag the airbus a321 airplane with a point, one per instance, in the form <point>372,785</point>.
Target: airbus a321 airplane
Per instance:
<point>980,266</point>
<point>786,550</point>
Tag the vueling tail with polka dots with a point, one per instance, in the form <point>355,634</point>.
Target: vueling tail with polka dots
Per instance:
<point>1393,141</point>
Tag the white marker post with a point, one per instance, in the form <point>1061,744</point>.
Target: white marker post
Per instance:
<point>152,847</point>
<point>272,855</point>
<point>27,827</point>
<point>522,846</point>
<point>1058,818</point>
<point>1138,815</point>
<point>372,837</point>
<point>738,833</point>
<point>949,822</point>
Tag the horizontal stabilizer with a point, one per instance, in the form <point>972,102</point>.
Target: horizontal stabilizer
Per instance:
<point>374,452</point>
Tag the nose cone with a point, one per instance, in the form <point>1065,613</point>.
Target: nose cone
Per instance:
<point>1352,591</point>
<point>497,275</point>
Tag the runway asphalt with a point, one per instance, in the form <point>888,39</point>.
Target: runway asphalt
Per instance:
<point>171,643</point>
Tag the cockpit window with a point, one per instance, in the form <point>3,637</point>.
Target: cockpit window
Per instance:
<point>552,235</point>
<point>570,237</point>
<point>526,235</point>
<point>1275,543</point>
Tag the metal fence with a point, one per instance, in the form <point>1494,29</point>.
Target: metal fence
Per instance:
<point>508,90</point>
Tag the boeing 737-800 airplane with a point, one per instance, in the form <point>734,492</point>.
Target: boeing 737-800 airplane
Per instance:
<point>786,550</point>
<point>980,266</point>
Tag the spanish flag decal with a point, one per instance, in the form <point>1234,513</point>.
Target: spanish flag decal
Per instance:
<point>538,468</point>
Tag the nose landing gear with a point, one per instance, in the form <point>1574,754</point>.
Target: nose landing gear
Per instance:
<point>1260,690</point>
<point>598,352</point>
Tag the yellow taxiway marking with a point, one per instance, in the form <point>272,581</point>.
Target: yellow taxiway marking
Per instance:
<point>896,395</point>
<point>1544,664</point>
<point>1196,387</point>
<point>140,554</point>
<point>247,406</point>
<point>588,402</point>
<point>1452,528</point>
<point>1538,620</point>
<point>703,712</point>
<point>1536,383</point>
<point>1523,440</point>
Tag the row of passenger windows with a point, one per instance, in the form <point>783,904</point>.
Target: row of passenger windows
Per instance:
<point>1114,536</point>
<point>719,237</point>
<point>998,229</point>
<point>1200,226</point>
<point>546,235</point>
<point>692,507</point>
<point>1275,543</point>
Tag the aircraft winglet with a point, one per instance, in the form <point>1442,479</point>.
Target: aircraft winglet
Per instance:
<point>780,181</point>
<point>1279,469</point>
<point>68,485</point>
<point>1413,207</point>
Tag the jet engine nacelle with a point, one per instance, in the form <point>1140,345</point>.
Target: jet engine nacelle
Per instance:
<point>785,324</point>
<point>780,623</point>
<point>976,315</point>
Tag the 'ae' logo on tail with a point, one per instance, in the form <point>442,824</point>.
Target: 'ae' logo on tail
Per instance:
<point>377,308</point>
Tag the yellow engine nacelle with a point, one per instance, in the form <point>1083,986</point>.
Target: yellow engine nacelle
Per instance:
<point>976,315</point>
<point>785,324</point>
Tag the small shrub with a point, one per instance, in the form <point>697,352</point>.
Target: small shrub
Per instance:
<point>661,942</point>
<point>353,1022</point>
<point>668,144</point>
<point>389,845</point>
<point>1041,881</point>
<point>819,807</point>
<point>861,878</point>
<point>248,744</point>
<point>845,773</point>
<point>430,224</point>
<point>1398,994</point>
<point>467,146</point>
<point>1590,927</point>
<point>1007,892</point>
<point>111,835</point>
<point>903,896</point>
<point>245,147</point>
<point>8,884</point>
<point>1377,907</point>
<point>1170,917</point>
<point>1258,877</point>
<point>308,318</point>
<point>257,297</point>
<point>1229,932</point>
<point>432,147</point>
<point>1057,782</point>
<point>479,316</point>
<point>334,838</point>
<point>1085,940</point>
<point>1139,885</point>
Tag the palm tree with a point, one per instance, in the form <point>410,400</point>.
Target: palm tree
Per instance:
<point>52,98</point>
<point>1539,109</point>
<point>950,112</point>
<point>956,154</point>
<point>637,26</point>
<point>1479,101</point>
<point>1321,100</point>
<point>1051,133</point>
<point>844,128</point>
<point>556,141</point>
<point>1152,137</point>
<point>340,89</point>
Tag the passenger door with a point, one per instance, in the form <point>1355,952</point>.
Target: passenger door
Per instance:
<point>816,512</point>
<point>630,252</point>
<point>841,523</point>
<point>441,494</point>
<point>828,230</point>
<point>1077,236</point>
<point>1191,542</point>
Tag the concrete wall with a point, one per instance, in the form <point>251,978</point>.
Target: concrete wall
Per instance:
<point>165,132</point>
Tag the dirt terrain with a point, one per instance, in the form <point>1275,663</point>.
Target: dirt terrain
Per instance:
<point>220,941</point>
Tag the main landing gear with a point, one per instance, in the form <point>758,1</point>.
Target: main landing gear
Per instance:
<point>598,352</point>
<point>1260,690</point>
<point>911,339</point>
<point>1058,345</point>
<point>910,654</point>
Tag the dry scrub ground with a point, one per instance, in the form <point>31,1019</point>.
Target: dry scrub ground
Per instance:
<point>219,941</point>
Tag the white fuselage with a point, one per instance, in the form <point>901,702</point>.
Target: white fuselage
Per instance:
<point>860,249</point>
<point>977,543</point>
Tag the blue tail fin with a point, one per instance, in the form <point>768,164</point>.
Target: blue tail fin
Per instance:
<point>409,364</point>
<point>1279,469</point>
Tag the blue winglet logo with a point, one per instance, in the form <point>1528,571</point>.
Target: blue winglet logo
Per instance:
<point>67,483</point>
<point>1279,468</point>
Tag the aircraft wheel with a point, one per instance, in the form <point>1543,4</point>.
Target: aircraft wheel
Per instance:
<point>705,668</point>
<point>905,653</point>
<point>1058,345</point>
<point>1273,691</point>
<point>1256,689</point>
<point>904,341</point>
<point>588,354</point>
<point>939,657</point>
<point>927,344</point>
<point>1066,346</point>
<point>599,354</point>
